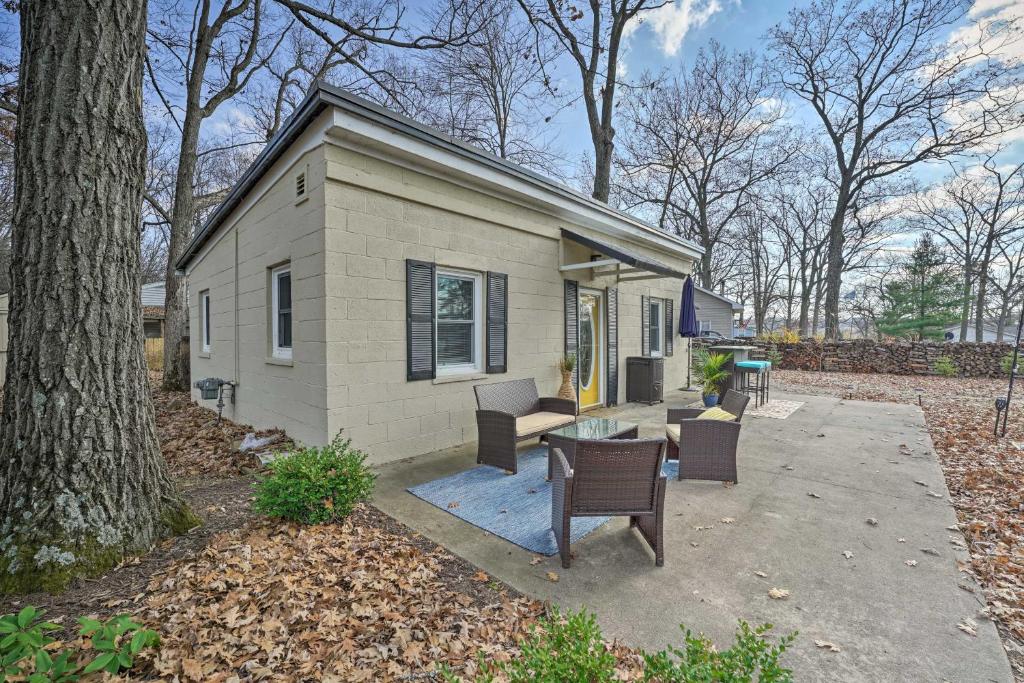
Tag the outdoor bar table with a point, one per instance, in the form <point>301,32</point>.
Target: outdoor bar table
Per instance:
<point>739,354</point>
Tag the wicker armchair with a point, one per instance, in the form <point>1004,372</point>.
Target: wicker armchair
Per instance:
<point>510,412</point>
<point>706,449</point>
<point>617,477</point>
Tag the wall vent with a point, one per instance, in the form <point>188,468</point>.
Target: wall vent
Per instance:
<point>300,185</point>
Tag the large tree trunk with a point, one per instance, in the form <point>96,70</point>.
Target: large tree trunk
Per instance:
<point>182,217</point>
<point>965,309</point>
<point>82,481</point>
<point>834,268</point>
<point>979,303</point>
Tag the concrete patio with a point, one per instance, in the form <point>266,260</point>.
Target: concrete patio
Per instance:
<point>860,460</point>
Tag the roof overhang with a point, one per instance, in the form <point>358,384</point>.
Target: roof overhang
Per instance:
<point>621,255</point>
<point>382,129</point>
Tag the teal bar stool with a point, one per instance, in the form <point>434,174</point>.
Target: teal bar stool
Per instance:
<point>754,379</point>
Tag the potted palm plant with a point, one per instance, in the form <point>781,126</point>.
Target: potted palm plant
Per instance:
<point>566,365</point>
<point>711,373</point>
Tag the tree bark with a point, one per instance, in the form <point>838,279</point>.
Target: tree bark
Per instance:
<point>82,482</point>
<point>182,217</point>
<point>834,267</point>
<point>979,303</point>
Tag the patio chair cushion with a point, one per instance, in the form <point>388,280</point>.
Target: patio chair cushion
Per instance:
<point>672,432</point>
<point>541,422</point>
<point>716,413</point>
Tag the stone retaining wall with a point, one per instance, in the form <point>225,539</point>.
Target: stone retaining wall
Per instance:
<point>900,358</point>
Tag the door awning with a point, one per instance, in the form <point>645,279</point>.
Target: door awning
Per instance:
<point>623,255</point>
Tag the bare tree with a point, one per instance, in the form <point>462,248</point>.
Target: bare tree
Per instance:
<point>892,89</point>
<point>82,479</point>
<point>1007,280</point>
<point>364,36</point>
<point>493,91</point>
<point>700,144</point>
<point>214,53</point>
<point>594,44</point>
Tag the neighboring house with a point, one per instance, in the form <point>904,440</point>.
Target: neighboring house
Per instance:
<point>367,271</point>
<point>715,313</point>
<point>153,309</point>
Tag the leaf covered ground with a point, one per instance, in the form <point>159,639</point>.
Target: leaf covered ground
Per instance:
<point>984,474</point>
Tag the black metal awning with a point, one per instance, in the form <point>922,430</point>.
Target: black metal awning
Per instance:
<point>624,255</point>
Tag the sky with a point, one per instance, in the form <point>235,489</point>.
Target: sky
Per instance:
<point>668,39</point>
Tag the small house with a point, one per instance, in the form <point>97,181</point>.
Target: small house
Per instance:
<point>367,271</point>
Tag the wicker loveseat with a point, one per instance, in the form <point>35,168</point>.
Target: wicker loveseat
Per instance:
<point>510,412</point>
<point>706,449</point>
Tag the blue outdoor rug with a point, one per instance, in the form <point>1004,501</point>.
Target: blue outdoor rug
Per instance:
<point>515,507</point>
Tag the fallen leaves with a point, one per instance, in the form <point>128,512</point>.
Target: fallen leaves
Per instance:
<point>827,645</point>
<point>349,601</point>
<point>193,444</point>
<point>848,554</point>
<point>968,626</point>
<point>552,577</point>
<point>871,521</point>
<point>910,563</point>
<point>778,593</point>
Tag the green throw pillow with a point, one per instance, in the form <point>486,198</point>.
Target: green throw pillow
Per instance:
<point>716,413</point>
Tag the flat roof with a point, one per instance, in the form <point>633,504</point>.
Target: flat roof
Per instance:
<point>323,95</point>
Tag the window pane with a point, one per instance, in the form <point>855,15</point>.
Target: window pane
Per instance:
<point>454,298</point>
<point>284,291</point>
<point>455,343</point>
<point>655,311</point>
<point>206,319</point>
<point>284,329</point>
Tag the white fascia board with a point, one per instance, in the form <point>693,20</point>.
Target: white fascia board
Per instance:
<point>393,146</point>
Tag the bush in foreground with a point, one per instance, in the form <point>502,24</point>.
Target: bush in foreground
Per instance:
<point>315,485</point>
<point>571,648</point>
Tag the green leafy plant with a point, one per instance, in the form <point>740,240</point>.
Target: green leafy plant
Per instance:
<point>557,649</point>
<point>944,366</point>
<point>567,363</point>
<point>774,356</point>
<point>571,648</point>
<point>24,655</point>
<point>751,657</point>
<point>711,370</point>
<point>117,642</point>
<point>315,485</point>
<point>1006,363</point>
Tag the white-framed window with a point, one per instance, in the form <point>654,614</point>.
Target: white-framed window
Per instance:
<point>204,320</point>
<point>657,322</point>
<point>458,322</point>
<point>281,311</point>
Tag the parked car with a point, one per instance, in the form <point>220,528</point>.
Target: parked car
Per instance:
<point>711,334</point>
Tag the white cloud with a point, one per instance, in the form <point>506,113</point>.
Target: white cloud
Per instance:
<point>673,21</point>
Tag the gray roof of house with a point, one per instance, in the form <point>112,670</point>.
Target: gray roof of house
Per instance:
<point>736,306</point>
<point>322,95</point>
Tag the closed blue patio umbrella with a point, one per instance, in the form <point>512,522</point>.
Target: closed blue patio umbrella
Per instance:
<point>688,326</point>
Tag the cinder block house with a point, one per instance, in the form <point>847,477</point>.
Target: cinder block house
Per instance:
<point>367,271</point>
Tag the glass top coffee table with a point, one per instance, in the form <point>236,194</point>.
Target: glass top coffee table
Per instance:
<point>565,438</point>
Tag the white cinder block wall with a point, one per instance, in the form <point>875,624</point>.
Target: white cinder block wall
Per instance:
<point>378,215</point>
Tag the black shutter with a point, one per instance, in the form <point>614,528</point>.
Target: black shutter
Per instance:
<point>420,302</point>
<point>572,326</point>
<point>645,325</point>
<point>670,332</point>
<point>497,322</point>
<point>612,321</point>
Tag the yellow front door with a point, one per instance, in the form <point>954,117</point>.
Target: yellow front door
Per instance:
<point>590,374</point>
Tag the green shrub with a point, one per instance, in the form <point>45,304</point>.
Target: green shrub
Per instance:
<point>315,485</point>
<point>752,657</point>
<point>572,648</point>
<point>1006,364</point>
<point>773,355</point>
<point>944,366</point>
<point>24,638</point>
